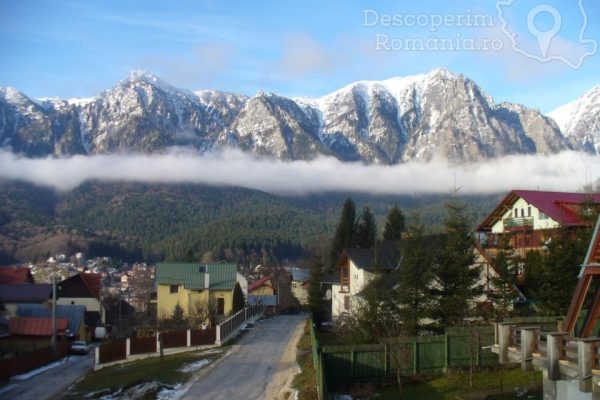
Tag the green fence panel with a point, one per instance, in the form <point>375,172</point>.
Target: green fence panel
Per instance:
<point>430,356</point>
<point>338,367</point>
<point>369,364</point>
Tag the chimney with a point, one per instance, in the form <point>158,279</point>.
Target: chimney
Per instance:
<point>206,281</point>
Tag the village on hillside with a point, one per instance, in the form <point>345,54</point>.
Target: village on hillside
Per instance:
<point>406,286</point>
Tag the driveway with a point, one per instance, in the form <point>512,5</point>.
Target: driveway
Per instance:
<point>49,384</point>
<point>260,366</point>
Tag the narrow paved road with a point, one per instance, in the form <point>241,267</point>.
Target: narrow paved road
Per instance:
<point>50,384</point>
<point>259,366</point>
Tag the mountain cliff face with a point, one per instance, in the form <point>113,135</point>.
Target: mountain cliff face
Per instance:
<point>387,122</point>
<point>580,121</point>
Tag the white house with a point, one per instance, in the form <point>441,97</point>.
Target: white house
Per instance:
<point>525,217</point>
<point>357,269</point>
<point>299,284</point>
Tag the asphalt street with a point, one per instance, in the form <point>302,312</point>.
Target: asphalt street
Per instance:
<point>49,384</point>
<point>259,366</point>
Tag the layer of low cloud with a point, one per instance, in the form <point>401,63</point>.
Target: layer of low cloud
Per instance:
<point>567,171</point>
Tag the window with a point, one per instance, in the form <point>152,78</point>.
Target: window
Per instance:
<point>522,213</point>
<point>529,211</point>
<point>346,303</point>
<point>543,216</point>
<point>173,289</point>
<point>516,213</point>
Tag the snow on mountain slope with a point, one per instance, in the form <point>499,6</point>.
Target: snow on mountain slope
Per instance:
<point>438,114</point>
<point>579,120</point>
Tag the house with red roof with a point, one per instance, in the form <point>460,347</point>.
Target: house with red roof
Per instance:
<point>83,289</point>
<point>262,287</point>
<point>526,217</point>
<point>36,326</point>
<point>15,275</point>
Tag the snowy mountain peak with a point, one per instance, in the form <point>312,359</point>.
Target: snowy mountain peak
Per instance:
<point>391,121</point>
<point>579,120</point>
<point>141,75</point>
<point>12,95</point>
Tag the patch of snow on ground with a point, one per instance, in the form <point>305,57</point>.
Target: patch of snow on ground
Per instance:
<point>342,397</point>
<point>172,393</point>
<point>38,371</point>
<point>195,365</point>
<point>211,351</point>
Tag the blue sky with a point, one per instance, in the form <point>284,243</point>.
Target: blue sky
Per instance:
<point>308,48</point>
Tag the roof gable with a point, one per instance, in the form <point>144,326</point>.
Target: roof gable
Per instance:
<point>81,285</point>
<point>562,207</point>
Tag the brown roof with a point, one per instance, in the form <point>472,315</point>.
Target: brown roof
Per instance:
<point>81,285</point>
<point>261,282</point>
<point>12,275</point>
<point>36,326</point>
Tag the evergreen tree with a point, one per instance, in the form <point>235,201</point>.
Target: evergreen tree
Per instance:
<point>372,311</point>
<point>238,298</point>
<point>414,278</point>
<point>366,232</point>
<point>178,318</point>
<point>345,232</point>
<point>566,252</point>
<point>456,276</point>
<point>533,268</point>
<point>503,290</point>
<point>316,302</point>
<point>394,225</point>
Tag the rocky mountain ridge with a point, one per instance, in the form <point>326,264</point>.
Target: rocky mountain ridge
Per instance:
<point>387,122</point>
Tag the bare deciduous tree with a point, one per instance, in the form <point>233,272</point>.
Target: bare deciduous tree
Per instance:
<point>202,312</point>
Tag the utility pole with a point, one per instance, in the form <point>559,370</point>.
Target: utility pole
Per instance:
<point>54,352</point>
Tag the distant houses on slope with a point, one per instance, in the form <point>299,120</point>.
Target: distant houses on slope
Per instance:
<point>26,309</point>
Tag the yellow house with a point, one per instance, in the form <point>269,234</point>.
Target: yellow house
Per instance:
<point>193,286</point>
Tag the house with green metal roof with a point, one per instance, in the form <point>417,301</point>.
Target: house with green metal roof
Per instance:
<point>199,289</point>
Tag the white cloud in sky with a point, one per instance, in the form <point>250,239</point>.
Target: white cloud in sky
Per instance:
<point>304,55</point>
<point>567,171</point>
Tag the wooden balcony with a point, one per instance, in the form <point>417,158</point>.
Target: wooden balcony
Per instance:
<point>517,224</point>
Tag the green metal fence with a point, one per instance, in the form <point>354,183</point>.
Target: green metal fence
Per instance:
<point>422,355</point>
<point>318,364</point>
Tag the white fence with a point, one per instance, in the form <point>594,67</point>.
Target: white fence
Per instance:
<point>228,328</point>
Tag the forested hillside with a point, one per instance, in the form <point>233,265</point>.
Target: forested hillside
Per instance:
<point>135,221</point>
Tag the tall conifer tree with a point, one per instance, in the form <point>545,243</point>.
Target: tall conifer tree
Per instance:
<point>456,276</point>
<point>366,232</point>
<point>394,225</point>
<point>345,232</point>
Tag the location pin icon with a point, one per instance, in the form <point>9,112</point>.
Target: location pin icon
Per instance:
<point>544,38</point>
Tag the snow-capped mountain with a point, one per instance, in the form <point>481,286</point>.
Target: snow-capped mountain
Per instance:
<point>391,121</point>
<point>580,120</point>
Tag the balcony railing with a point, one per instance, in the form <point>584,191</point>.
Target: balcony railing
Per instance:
<point>517,222</point>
